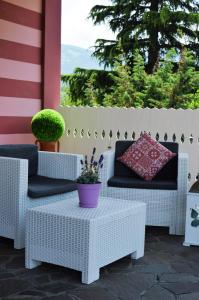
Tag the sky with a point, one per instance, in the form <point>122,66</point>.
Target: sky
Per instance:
<point>76,29</point>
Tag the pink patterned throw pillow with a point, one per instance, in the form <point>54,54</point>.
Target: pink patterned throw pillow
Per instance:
<point>146,157</point>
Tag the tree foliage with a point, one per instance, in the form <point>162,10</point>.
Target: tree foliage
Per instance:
<point>171,85</point>
<point>127,83</point>
<point>78,88</point>
<point>152,26</point>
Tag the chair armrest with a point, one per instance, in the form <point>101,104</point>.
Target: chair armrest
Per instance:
<point>59,165</point>
<point>108,167</point>
<point>13,175</point>
<point>180,208</point>
<point>183,160</point>
<point>13,187</point>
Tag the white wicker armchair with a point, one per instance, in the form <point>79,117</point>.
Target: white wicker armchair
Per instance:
<point>164,207</point>
<point>14,199</point>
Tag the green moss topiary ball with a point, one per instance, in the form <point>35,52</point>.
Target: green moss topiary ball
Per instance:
<point>48,125</point>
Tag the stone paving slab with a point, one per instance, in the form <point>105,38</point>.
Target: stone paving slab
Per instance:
<point>192,296</point>
<point>157,292</point>
<point>168,271</point>
<point>178,277</point>
<point>178,288</point>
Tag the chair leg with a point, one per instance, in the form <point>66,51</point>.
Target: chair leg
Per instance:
<point>172,229</point>
<point>176,230</point>
<point>179,231</point>
<point>19,243</point>
<point>19,237</point>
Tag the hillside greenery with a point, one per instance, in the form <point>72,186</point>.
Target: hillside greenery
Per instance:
<point>173,84</point>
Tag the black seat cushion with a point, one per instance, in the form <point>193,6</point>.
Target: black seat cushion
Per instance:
<point>23,151</point>
<point>41,186</point>
<point>139,183</point>
<point>168,173</point>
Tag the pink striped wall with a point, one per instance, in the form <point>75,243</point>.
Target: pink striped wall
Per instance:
<point>20,70</point>
<point>19,107</point>
<point>29,81</point>
<point>19,33</point>
<point>33,5</point>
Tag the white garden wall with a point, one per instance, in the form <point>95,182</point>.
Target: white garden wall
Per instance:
<point>87,127</point>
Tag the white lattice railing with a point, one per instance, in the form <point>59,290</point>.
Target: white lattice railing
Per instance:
<point>101,127</point>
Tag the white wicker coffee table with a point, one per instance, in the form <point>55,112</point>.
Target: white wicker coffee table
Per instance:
<point>85,239</point>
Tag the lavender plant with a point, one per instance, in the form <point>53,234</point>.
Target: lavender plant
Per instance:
<point>90,169</point>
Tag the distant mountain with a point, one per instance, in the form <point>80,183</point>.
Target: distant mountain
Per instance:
<point>73,57</point>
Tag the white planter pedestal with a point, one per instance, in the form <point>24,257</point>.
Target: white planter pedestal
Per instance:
<point>192,214</point>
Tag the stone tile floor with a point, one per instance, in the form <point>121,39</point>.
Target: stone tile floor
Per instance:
<point>167,271</point>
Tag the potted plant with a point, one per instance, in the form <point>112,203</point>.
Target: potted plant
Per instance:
<point>48,126</point>
<point>88,184</point>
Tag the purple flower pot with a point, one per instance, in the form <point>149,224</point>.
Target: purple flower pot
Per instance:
<point>88,194</point>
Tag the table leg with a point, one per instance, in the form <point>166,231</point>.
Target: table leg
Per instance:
<point>186,244</point>
<point>137,254</point>
<point>90,276</point>
<point>31,263</point>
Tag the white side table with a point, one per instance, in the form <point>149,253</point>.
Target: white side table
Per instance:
<point>192,220</point>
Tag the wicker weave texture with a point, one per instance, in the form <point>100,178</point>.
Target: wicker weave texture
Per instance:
<point>85,239</point>
<point>164,207</point>
<point>14,200</point>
